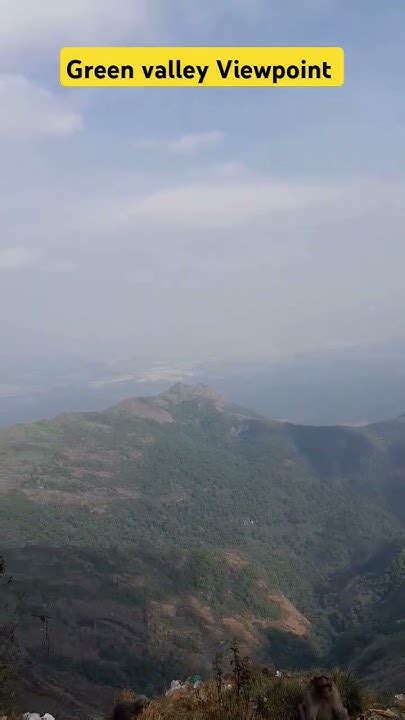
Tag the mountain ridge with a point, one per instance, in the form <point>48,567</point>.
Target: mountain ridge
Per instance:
<point>290,507</point>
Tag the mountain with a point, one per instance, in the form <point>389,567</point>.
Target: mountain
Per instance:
<point>368,614</point>
<point>156,530</point>
<point>352,384</point>
<point>40,386</point>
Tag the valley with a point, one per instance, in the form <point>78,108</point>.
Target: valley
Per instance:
<point>159,529</point>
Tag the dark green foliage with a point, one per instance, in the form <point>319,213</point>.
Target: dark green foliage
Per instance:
<point>289,651</point>
<point>333,451</point>
<point>162,505</point>
<point>10,659</point>
<point>351,692</point>
<point>107,621</point>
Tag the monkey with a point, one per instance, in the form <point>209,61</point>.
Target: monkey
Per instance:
<point>127,709</point>
<point>322,701</point>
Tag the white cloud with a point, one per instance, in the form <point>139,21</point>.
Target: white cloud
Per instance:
<point>220,205</point>
<point>41,24</point>
<point>184,145</point>
<point>26,109</point>
<point>244,206</point>
<point>20,257</point>
<point>15,258</point>
<point>59,266</point>
<point>230,169</point>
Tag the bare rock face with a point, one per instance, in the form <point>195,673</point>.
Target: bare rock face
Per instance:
<point>181,392</point>
<point>143,409</point>
<point>158,409</point>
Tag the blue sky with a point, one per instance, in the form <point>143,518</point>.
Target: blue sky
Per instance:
<point>201,221</point>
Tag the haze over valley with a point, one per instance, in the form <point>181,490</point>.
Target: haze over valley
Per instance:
<point>352,384</point>
<point>202,377</point>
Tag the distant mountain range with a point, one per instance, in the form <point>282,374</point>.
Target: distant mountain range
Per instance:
<point>156,530</point>
<point>350,385</point>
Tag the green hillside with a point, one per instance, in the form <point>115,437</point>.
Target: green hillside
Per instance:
<point>367,613</point>
<point>182,496</point>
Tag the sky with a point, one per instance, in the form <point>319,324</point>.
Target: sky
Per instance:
<point>201,222</point>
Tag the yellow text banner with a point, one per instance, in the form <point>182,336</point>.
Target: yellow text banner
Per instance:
<point>202,66</point>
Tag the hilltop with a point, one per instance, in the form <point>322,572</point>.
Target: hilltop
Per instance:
<point>161,527</point>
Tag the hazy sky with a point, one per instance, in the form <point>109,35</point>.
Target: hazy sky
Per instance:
<point>201,221</point>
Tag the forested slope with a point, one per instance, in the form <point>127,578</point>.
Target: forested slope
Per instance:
<point>261,524</point>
